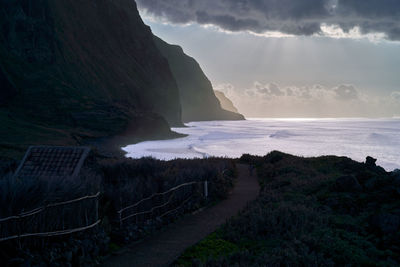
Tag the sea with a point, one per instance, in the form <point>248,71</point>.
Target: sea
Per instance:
<point>353,138</point>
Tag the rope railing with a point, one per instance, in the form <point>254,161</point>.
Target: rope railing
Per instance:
<point>149,211</point>
<point>50,234</point>
<point>180,206</point>
<point>38,210</point>
<point>165,204</point>
<point>156,194</point>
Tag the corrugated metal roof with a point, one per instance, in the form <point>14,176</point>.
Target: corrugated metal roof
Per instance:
<point>49,161</point>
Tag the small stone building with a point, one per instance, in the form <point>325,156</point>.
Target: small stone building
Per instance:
<point>49,161</point>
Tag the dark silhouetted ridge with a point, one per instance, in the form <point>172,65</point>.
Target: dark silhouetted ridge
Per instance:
<point>83,69</point>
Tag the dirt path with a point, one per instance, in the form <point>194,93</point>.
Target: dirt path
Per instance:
<point>165,247</point>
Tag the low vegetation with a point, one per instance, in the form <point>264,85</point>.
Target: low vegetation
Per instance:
<point>133,180</point>
<point>127,181</point>
<point>121,182</point>
<point>326,211</point>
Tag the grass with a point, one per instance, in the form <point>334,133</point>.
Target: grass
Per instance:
<point>211,248</point>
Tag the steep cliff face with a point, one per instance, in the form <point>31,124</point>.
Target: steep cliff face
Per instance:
<point>84,68</point>
<point>198,100</point>
<point>225,102</point>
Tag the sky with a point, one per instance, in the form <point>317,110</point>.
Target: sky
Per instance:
<point>291,58</point>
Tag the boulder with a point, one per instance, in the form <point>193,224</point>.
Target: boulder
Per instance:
<point>370,161</point>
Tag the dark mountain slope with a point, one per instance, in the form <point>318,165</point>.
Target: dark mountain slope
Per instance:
<point>82,69</point>
<point>197,95</point>
<point>7,90</point>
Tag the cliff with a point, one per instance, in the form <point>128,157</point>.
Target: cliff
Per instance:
<point>78,69</point>
<point>198,100</point>
<point>225,102</point>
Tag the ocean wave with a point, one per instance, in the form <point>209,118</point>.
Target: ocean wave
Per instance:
<point>282,134</point>
<point>198,151</point>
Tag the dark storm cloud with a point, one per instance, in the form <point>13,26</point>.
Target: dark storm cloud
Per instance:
<point>298,17</point>
<point>372,16</point>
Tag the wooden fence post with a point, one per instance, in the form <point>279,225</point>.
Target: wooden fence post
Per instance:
<point>97,209</point>
<point>206,189</point>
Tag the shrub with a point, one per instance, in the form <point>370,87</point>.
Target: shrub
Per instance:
<point>301,218</point>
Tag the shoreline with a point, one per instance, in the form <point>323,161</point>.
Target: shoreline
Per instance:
<point>305,138</point>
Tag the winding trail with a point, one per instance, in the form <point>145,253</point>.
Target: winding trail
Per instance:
<point>163,248</point>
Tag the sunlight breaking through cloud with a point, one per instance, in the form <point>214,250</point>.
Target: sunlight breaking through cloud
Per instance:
<point>334,31</point>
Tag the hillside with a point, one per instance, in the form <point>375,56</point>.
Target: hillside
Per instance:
<point>324,211</point>
<point>74,70</point>
<point>199,102</point>
<point>225,102</point>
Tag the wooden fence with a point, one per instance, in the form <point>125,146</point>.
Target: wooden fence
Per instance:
<point>80,214</point>
<point>159,205</point>
<point>54,219</point>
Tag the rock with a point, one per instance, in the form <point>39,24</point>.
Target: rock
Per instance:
<point>348,184</point>
<point>385,223</point>
<point>370,161</point>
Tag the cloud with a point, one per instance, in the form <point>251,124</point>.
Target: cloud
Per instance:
<point>272,100</point>
<point>294,17</point>
<point>268,90</point>
<point>346,92</point>
<point>396,96</point>
<point>273,90</point>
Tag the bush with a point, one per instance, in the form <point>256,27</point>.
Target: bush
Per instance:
<point>302,217</point>
<point>122,182</point>
<point>127,181</point>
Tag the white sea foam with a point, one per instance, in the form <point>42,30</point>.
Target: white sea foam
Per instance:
<point>354,138</point>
